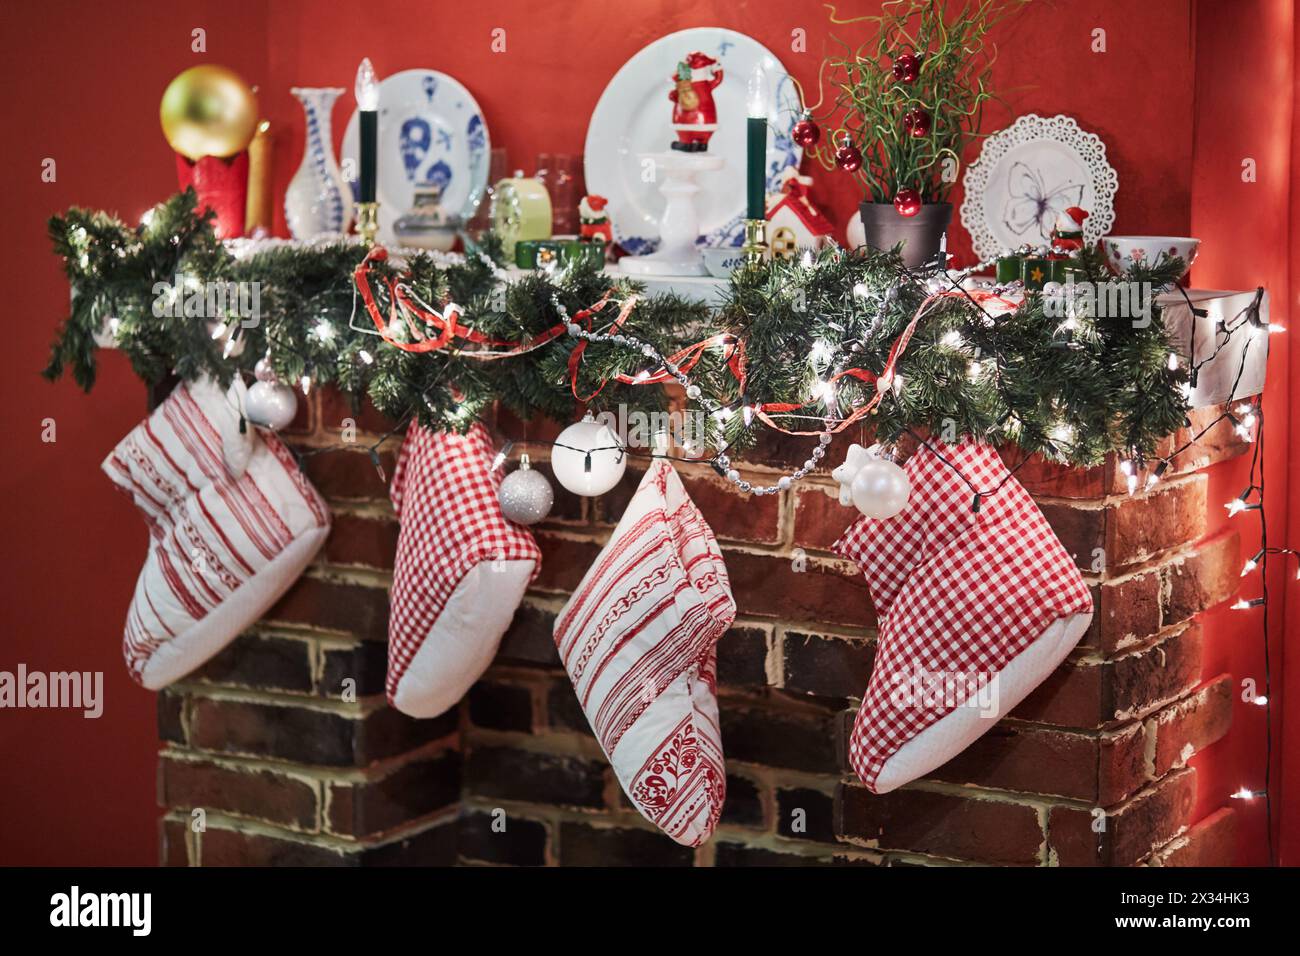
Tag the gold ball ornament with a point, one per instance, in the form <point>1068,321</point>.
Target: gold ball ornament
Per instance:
<point>208,111</point>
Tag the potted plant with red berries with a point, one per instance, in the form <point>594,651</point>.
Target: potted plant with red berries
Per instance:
<point>907,102</point>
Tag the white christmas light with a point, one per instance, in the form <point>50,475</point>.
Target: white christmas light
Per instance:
<point>366,87</point>
<point>305,382</point>
<point>1245,793</point>
<point>1237,505</point>
<point>1249,567</point>
<point>366,357</point>
<point>218,331</point>
<point>1274,328</point>
<point>1173,361</point>
<point>953,340</point>
<point>821,352</point>
<point>324,331</point>
<point>861,291</point>
<point>1260,701</point>
<point>756,94</point>
<point>1063,433</point>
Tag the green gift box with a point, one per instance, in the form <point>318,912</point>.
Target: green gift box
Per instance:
<point>1033,271</point>
<point>1036,272</point>
<point>1008,269</point>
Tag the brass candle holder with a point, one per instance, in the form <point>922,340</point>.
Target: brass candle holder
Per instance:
<point>368,221</point>
<point>754,250</point>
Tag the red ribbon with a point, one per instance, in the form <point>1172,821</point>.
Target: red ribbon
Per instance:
<point>448,331</point>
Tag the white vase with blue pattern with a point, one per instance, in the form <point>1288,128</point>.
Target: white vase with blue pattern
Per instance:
<point>317,201</point>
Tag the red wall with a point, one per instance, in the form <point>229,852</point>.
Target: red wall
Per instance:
<point>82,791</point>
<point>1245,112</point>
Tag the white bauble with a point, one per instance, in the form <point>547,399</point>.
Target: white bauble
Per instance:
<point>855,233</point>
<point>525,495</point>
<point>588,459</point>
<point>880,489</point>
<point>270,405</point>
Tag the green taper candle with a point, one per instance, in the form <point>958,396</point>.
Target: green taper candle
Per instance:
<point>756,146</point>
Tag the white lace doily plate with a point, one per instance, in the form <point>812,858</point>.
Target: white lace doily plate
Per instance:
<point>1027,174</point>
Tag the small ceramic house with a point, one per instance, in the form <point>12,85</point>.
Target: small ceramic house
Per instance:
<point>793,222</point>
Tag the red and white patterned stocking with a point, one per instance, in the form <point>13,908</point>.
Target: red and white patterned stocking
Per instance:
<point>232,523</point>
<point>976,609</point>
<point>638,639</point>
<point>460,572</point>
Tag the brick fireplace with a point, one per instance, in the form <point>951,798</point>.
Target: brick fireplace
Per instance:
<point>284,751</point>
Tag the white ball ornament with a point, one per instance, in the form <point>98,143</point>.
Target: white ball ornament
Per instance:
<point>880,489</point>
<point>588,459</point>
<point>525,495</point>
<point>270,405</point>
<point>876,487</point>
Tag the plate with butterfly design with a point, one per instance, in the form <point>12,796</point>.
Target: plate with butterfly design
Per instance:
<point>1027,175</point>
<point>431,136</point>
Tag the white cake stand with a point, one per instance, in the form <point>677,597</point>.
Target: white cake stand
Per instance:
<point>679,226</point>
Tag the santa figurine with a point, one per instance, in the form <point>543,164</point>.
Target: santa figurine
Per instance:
<point>593,220</point>
<point>695,116</point>
<point>1067,234</point>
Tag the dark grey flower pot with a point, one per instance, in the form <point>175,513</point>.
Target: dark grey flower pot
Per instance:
<point>919,234</point>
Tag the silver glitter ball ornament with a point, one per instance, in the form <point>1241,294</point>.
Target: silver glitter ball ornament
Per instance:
<point>525,495</point>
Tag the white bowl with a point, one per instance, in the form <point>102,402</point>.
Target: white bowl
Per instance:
<point>722,261</point>
<point>1123,251</point>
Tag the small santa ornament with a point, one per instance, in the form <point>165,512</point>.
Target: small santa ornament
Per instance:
<point>1067,234</point>
<point>593,220</point>
<point>695,115</point>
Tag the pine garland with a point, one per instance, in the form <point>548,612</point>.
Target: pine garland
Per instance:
<point>1073,392</point>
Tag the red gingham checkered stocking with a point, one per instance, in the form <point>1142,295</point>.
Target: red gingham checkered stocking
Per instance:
<point>638,639</point>
<point>979,607</point>
<point>460,573</point>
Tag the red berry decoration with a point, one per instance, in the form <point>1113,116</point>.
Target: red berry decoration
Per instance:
<point>917,122</point>
<point>907,67</point>
<point>848,158</point>
<point>907,202</point>
<point>806,132</point>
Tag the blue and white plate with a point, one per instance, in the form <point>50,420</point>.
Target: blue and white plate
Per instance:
<point>634,117</point>
<point>431,133</point>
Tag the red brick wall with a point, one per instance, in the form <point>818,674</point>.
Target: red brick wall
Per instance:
<point>287,770</point>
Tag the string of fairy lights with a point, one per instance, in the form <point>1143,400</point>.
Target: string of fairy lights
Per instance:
<point>1245,416</point>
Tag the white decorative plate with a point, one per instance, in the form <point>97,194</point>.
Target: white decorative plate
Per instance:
<point>634,116</point>
<point>431,133</point>
<point>1027,174</point>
